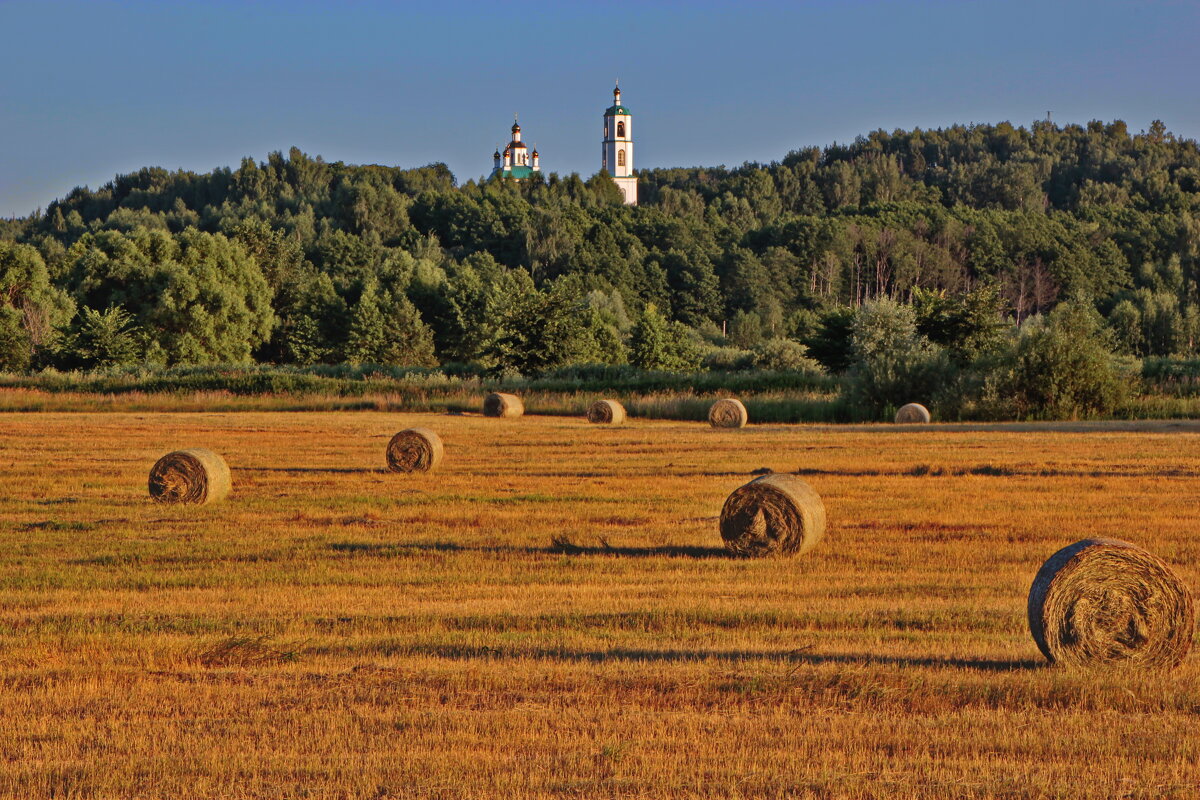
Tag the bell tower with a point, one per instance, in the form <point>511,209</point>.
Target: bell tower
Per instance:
<point>617,150</point>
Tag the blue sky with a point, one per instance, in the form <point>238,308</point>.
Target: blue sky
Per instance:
<point>92,89</point>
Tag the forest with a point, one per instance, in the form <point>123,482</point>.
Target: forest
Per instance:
<point>1030,268</point>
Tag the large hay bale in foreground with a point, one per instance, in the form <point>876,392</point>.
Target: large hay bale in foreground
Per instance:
<point>912,413</point>
<point>728,413</point>
<point>606,412</point>
<point>1104,602</point>
<point>414,450</point>
<point>498,404</point>
<point>776,513</point>
<point>192,476</point>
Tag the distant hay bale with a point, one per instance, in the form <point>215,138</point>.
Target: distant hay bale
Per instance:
<point>912,413</point>
<point>776,513</point>
<point>1104,602</point>
<point>728,413</point>
<point>414,450</point>
<point>606,412</point>
<point>498,404</point>
<point>192,476</point>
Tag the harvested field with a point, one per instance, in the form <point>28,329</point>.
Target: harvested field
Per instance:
<point>553,616</point>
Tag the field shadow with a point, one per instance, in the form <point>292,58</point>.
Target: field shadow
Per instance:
<point>561,548</point>
<point>483,473</point>
<point>988,470</point>
<point>1049,426</point>
<point>855,473</point>
<point>319,470</point>
<point>75,525</point>
<point>796,657</point>
<point>376,549</point>
<point>566,547</point>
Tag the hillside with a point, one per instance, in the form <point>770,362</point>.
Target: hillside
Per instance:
<point>295,260</point>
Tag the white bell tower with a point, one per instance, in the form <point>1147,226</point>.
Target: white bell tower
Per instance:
<point>617,153</point>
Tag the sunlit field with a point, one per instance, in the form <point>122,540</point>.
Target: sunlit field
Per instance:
<point>552,614</point>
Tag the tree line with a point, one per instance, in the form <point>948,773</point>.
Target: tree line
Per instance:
<point>974,230</point>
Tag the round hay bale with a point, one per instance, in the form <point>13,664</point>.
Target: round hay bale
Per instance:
<point>414,450</point>
<point>776,513</point>
<point>912,413</point>
<point>1104,602</point>
<point>192,476</point>
<point>728,413</point>
<point>498,404</point>
<point>606,412</point>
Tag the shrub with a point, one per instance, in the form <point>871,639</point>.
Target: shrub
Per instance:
<point>106,338</point>
<point>16,349</point>
<point>745,329</point>
<point>539,331</point>
<point>727,359</point>
<point>387,330</point>
<point>1061,366</point>
<point>968,325</point>
<point>830,340</point>
<point>784,355</point>
<point>658,344</point>
<point>893,363</point>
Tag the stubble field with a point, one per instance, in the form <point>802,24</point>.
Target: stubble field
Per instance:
<point>552,615</point>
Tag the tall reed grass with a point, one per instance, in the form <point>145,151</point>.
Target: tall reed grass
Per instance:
<point>1170,389</point>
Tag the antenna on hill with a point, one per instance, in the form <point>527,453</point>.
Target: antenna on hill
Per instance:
<point>1048,117</point>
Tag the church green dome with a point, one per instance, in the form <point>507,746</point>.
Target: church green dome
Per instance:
<point>615,110</point>
<point>519,173</point>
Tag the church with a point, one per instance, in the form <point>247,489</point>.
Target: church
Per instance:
<point>517,162</point>
<point>616,153</point>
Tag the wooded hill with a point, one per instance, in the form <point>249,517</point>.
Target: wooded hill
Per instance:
<point>296,260</point>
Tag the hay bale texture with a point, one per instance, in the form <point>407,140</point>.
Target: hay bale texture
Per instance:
<point>192,477</point>
<point>414,450</point>
<point>606,412</point>
<point>498,404</point>
<point>728,413</point>
<point>912,413</point>
<point>1104,602</point>
<point>773,514</point>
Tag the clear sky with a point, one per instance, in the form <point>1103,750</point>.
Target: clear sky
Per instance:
<point>92,89</point>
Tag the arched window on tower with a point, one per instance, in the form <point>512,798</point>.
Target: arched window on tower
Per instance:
<point>620,130</point>
<point>620,158</point>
